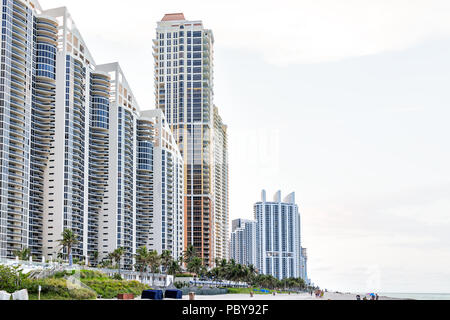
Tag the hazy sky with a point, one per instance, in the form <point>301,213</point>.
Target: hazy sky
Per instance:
<point>344,102</point>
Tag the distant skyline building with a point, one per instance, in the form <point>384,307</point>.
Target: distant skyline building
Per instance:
<point>278,237</point>
<point>183,52</point>
<point>304,265</point>
<point>239,223</point>
<point>243,242</point>
<point>271,242</point>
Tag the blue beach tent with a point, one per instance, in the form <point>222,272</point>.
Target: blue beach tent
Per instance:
<point>152,294</point>
<point>173,294</point>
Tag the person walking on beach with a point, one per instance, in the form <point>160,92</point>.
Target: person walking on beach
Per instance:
<point>358,297</point>
<point>378,297</point>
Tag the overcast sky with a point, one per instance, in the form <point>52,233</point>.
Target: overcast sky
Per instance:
<point>344,102</point>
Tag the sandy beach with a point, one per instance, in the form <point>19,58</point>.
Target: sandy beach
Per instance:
<point>267,297</point>
<point>303,296</point>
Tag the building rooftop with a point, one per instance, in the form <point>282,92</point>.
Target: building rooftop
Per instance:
<point>290,199</point>
<point>173,17</point>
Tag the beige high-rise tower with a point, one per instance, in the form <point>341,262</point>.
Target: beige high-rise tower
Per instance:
<point>183,52</point>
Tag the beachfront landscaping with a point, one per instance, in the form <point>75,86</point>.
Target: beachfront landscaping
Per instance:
<point>57,287</point>
<point>92,284</point>
<point>232,271</point>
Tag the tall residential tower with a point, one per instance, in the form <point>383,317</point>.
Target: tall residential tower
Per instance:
<point>278,237</point>
<point>18,73</point>
<point>243,242</point>
<point>183,52</point>
<point>167,223</point>
<point>75,151</point>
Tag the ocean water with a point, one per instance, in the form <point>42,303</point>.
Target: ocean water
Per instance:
<point>417,296</point>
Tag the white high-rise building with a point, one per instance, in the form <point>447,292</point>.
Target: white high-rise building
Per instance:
<point>18,57</point>
<point>183,52</point>
<point>74,180</point>
<point>167,223</point>
<point>74,152</point>
<point>220,178</point>
<point>243,242</point>
<point>118,223</point>
<point>278,237</point>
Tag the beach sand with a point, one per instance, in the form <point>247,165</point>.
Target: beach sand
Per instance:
<point>268,297</point>
<point>262,297</point>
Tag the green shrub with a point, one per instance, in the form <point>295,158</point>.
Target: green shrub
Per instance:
<point>91,274</point>
<point>184,275</point>
<point>62,274</point>
<point>82,294</point>
<point>11,278</point>
<point>109,289</point>
<point>57,289</point>
<point>117,276</point>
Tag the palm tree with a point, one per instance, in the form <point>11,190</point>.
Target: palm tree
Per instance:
<point>142,259</point>
<point>195,265</point>
<point>166,259</point>
<point>223,264</point>
<point>251,273</point>
<point>69,239</point>
<point>23,254</point>
<point>230,270</point>
<point>154,262</point>
<point>223,269</point>
<point>117,255</point>
<point>203,271</point>
<point>215,273</point>
<point>174,268</point>
<point>190,253</point>
<point>239,272</point>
